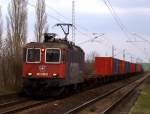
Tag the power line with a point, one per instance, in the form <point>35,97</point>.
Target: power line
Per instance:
<point>57,19</point>
<point>119,22</point>
<point>140,37</point>
<point>53,17</point>
<point>57,12</point>
<point>60,14</point>
<point>116,18</point>
<point>91,40</point>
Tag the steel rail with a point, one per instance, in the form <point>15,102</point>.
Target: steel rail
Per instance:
<point>12,102</point>
<point>20,106</point>
<point>111,107</point>
<point>85,104</point>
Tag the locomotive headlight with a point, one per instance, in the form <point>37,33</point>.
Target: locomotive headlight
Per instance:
<point>42,49</point>
<point>29,74</point>
<point>54,74</point>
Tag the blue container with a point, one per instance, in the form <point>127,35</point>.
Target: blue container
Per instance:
<point>127,67</point>
<point>116,66</point>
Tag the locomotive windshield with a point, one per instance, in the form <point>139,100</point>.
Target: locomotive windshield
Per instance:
<point>52,55</point>
<point>33,55</point>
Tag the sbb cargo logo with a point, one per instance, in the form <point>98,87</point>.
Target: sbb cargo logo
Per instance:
<point>42,68</point>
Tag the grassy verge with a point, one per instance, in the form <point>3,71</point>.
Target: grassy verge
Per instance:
<point>142,105</point>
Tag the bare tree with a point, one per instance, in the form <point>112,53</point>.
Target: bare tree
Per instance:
<point>1,32</point>
<point>41,25</point>
<point>16,37</point>
<point>91,57</point>
<point>89,63</point>
<point>17,18</point>
<point>1,29</point>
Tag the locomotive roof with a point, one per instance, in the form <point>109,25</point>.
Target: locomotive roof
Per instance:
<point>53,44</point>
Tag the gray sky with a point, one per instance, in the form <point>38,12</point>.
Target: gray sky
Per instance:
<point>92,16</point>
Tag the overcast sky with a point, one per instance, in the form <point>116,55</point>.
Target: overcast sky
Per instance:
<point>92,16</point>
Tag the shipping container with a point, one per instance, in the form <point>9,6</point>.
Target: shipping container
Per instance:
<point>132,68</point>
<point>139,68</point>
<point>136,67</point>
<point>104,66</point>
<point>116,65</point>
<point>107,66</point>
<point>122,67</point>
<point>127,67</point>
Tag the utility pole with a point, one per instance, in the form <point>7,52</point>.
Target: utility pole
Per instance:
<point>113,50</point>
<point>131,59</point>
<point>73,21</point>
<point>124,54</point>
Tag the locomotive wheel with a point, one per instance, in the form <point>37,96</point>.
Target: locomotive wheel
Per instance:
<point>27,92</point>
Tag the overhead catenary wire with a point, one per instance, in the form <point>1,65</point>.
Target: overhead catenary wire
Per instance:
<point>53,17</point>
<point>59,20</point>
<point>66,18</point>
<point>57,12</point>
<point>120,24</point>
<point>118,20</point>
<point>123,27</point>
<point>142,38</point>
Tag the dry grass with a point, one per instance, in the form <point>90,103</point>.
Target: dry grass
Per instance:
<point>142,105</point>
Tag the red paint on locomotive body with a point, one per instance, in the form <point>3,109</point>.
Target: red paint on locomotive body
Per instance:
<point>39,70</point>
<point>58,59</point>
<point>43,69</point>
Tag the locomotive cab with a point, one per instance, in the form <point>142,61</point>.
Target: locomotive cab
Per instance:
<point>44,63</point>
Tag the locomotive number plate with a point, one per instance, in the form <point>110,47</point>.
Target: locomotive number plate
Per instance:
<point>42,74</point>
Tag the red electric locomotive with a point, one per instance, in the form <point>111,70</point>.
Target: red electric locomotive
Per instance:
<point>51,66</point>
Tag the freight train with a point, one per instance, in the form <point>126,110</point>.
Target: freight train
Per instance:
<point>55,64</point>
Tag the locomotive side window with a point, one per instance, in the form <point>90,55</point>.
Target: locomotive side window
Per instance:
<point>52,55</point>
<point>33,56</point>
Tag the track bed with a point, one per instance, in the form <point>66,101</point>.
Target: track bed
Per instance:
<point>78,102</point>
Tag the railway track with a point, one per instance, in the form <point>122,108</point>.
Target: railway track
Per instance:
<point>79,102</point>
<point>69,105</point>
<point>108,102</point>
<point>12,103</point>
<point>131,89</point>
<point>20,104</point>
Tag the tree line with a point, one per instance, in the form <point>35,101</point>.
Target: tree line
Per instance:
<point>15,36</point>
<point>12,41</point>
